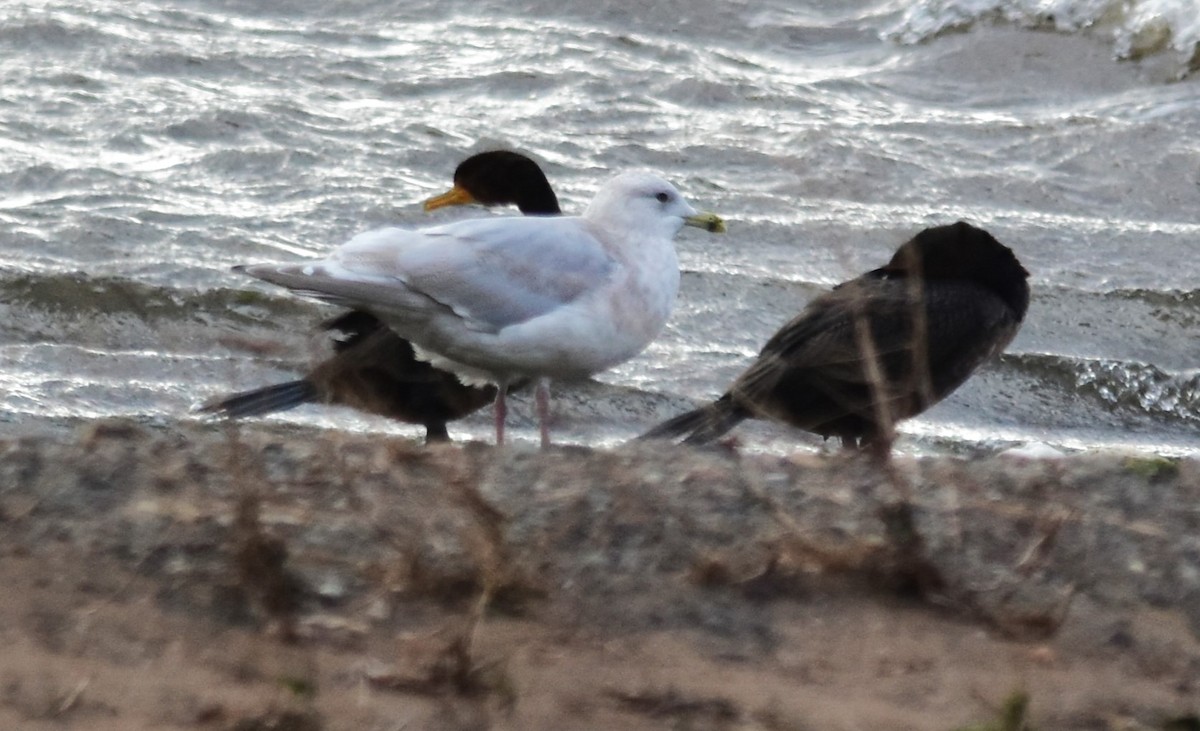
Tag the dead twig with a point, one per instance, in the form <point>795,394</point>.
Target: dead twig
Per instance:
<point>73,697</point>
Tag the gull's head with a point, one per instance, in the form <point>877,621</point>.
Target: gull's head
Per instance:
<point>643,201</point>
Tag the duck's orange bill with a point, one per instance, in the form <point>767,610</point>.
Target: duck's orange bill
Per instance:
<point>456,196</point>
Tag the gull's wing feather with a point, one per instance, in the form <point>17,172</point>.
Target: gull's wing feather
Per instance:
<point>491,273</point>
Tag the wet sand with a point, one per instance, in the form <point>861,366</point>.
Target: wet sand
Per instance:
<point>275,577</point>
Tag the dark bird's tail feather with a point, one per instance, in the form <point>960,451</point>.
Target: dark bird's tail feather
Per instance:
<point>702,425</point>
<point>280,397</point>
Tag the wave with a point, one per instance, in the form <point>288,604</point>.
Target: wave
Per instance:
<point>1137,389</point>
<point>1163,300</point>
<point>1137,29</point>
<point>78,295</point>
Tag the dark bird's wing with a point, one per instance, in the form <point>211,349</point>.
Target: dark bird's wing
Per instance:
<point>381,375</point>
<point>373,370</point>
<point>874,349</point>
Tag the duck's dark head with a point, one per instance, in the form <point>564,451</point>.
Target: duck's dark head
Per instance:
<point>500,177</point>
<point>961,251</point>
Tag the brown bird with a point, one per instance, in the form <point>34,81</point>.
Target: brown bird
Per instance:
<point>375,370</point>
<point>879,348</point>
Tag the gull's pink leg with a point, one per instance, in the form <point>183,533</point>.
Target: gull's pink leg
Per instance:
<point>542,398</point>
<point>500,410</point>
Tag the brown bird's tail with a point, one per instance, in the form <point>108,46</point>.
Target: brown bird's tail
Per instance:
<point>701,425</point>
<point>280,397</point>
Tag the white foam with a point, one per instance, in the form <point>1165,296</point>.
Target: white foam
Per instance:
<point>1154,25</point>
<point>1033,450</point>
<point>1136,28</point>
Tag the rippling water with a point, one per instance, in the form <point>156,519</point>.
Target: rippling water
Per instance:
<point>146,147</point>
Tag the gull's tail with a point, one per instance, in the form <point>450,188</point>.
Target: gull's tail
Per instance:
<point>701,425</point>
<point>280,397</point>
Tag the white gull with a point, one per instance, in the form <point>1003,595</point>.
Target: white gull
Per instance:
<point>503,299</point>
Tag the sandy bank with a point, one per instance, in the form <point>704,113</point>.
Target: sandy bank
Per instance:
<point>275,577</point>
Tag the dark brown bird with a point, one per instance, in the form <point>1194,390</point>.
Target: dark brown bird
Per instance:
<point>375,370</point>
<point>879,348</point>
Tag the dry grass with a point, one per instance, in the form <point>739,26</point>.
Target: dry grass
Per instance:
<point>260,560</point>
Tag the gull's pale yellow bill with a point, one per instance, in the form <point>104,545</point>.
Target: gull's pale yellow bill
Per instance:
<point>710,222</point>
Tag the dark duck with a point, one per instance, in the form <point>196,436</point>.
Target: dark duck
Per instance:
<point>879,348</point>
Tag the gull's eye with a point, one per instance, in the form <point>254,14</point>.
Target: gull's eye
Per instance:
<point>663,197</point>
